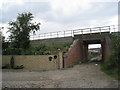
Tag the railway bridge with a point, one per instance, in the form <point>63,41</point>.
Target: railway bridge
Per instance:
<point>79,49</point>
<point>81,38</point>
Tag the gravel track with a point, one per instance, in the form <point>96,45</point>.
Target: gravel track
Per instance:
<point>80,76</point>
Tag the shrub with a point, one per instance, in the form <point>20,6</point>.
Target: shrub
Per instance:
<point>42,49</point>
<point>7,66</point>
<point>12,63</point>
<point>19,67</point>
<point>112,66</point>
<point>12,51</point>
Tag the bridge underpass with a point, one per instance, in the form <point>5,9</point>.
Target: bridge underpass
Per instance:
<point>81,38</point>
<point>79,49</point>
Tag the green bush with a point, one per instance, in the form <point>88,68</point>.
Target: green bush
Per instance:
<point>7,66</point>
<point>12,63</point>
<point>92,56</point>
<point>12,51</point>
<point>42,49</point>
<point>19,67</point>
<point>112,66</point>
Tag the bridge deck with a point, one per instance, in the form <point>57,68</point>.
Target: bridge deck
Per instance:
<point>72,33</point>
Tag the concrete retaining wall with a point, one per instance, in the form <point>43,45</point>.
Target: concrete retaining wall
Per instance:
<point>52,41</point>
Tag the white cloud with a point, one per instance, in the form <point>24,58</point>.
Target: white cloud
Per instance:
<point>113,20</point>
<point>69,7</point>
<point>4,30</point>
<point>48,26</point>
<point>6,4</point>
<point>62,14</point>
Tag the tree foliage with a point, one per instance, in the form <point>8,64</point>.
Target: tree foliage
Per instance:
<point>20,30</point>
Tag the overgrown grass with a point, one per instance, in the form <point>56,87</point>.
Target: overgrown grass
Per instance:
<point>41,49</point>
<point>52,49</point>
<point>113,72</point>
<point>71,66</point>
<point>111,66</point>
<point>92,56</point>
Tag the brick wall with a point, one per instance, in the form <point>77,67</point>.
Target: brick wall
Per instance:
<point>74,54</point>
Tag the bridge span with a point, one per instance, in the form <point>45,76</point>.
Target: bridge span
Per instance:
<point>68,36</point>
<point>79,49</point>
<point>81,38</point>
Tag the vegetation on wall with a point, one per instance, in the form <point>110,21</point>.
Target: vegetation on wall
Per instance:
<point>42,49</point>
<point>112,66</point>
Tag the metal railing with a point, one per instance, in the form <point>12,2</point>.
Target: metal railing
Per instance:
<point>58,34</point>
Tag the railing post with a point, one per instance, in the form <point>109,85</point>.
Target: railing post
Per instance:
<point>82,31</point>
<point>71,32</point>
<point>50,35</point>
<point>90,31</point>
<point>109,29</point>
<point>114,27</point>
<point>100,29</point>
<point>33,37</point>
<point>57,35</point>
<point>44,35</point>
<point>39,36</point>
<point>64,33</point>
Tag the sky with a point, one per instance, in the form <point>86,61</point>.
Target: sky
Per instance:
<point>61,15</point>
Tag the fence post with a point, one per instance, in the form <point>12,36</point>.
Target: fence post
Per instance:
<point>60,59</point>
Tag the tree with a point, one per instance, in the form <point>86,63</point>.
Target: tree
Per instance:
<point>20,30</point>
<point>5,44</point>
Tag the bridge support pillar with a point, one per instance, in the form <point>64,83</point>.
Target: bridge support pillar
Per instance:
<point>81,50</point>
<point>85,51</point>
<point>106,48</point>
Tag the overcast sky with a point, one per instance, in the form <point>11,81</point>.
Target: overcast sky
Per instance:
<point>59,15</point>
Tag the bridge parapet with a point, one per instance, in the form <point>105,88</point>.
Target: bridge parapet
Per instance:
<point>93,36</point>
<point>72,33</point>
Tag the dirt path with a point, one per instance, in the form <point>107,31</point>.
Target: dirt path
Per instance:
<point>80,76</point>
